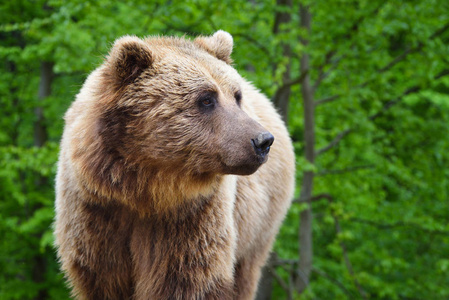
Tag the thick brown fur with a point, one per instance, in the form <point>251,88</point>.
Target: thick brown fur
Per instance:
<point>159,194</point>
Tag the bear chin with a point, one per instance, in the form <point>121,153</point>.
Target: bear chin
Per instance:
<point>244,169</point>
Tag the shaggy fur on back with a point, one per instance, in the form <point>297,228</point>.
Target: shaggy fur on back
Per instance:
<point>162,191</point>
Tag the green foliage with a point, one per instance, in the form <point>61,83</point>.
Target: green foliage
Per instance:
<point>388,177</point>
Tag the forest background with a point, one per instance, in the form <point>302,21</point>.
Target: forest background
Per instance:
<point>362,84</point>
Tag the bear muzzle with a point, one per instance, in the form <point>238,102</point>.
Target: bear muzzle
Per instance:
<point>244,143</point>
<point>251,154</point>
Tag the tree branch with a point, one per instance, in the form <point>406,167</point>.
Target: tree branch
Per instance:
<point>386,226</point>
<point>281,281</point>
<point>334,281</point>
<point>341,171</point>
<point>321,74</point>
<point>334,142</point>
<point>274,262</point>
<point>291,82</point>
<point>329,55</point>
<point>399,58</point>
<point>349,33</point>
<point>279,261</point>
<point>314,198</point>
<point>420,45</point>
<point>442,74</point>
<point>327,99</point>
<point>254,41</point>
<point>343,247</point>
<point>384,108</point>
<point>346,259</point>
<point>390,103</point>
<point>392,63</point>
<point>409,91</point>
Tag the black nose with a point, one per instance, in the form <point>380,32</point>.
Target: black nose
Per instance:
<point>262,143</point>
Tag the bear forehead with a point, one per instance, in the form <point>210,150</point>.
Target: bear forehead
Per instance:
<point>195,67</point>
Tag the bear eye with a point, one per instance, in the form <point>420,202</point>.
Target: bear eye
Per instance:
<point>238,97</point>
<point>207,101</point>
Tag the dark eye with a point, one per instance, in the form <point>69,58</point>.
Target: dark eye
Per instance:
<point>207,101</point>
<point>238,97</point>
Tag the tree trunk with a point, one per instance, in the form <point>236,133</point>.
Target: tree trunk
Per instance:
<point>281,101</point>
<point>266,282</point>
<point>40,130</point>
<point>40,138</point>
<point>305,225</point>
<point>282,95</point>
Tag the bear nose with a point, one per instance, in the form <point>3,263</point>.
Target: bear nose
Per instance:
<point>262,143</point>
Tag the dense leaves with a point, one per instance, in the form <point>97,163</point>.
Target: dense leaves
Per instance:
<point>380,77</point>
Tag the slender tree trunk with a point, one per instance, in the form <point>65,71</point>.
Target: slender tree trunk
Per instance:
<point>40,138</point>
<point>266,282</point>
<point>12,68</point>
<point>282,95</point>
<point>40,130</point>
<point>281,101</point>
<point>305,226</point>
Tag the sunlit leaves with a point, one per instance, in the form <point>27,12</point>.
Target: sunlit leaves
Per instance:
<point>389,178</point>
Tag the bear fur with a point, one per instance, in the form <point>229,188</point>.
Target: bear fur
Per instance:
<point>161,192</point>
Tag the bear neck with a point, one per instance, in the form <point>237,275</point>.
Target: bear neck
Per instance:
<point>146,190</point>
<point>175,192</point>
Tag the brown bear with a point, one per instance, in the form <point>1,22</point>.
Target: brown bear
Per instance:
<point>164,187</point>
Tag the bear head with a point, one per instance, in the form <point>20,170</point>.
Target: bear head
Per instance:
<point>168,106</point>
<point>177,105</point>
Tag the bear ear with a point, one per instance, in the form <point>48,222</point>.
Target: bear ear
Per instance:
<point>219,45</point>
<point>129,57</point>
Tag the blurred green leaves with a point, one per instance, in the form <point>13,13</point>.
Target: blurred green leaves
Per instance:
<point>382,63</point>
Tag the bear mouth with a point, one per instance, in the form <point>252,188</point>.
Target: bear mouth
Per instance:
<point>242,169</point>
<point>262,156</point>
<point>246,168</point>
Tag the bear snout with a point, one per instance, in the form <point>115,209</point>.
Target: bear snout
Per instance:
<point>248,154</point>
<point>262,144</point>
